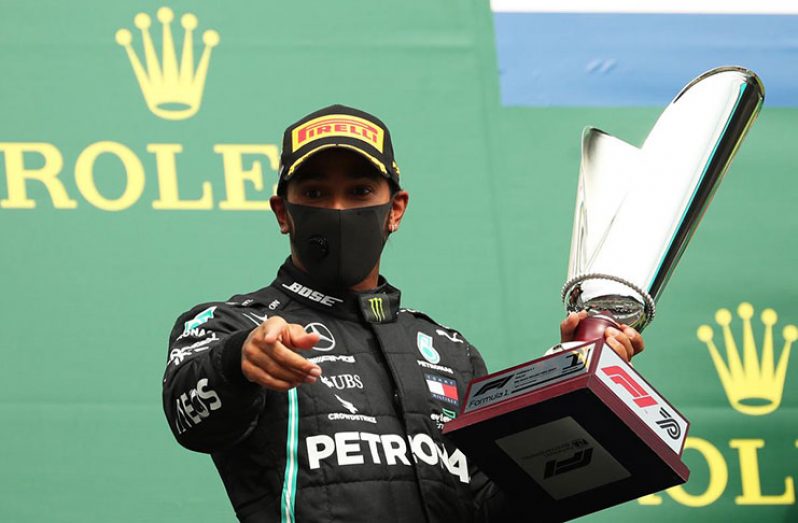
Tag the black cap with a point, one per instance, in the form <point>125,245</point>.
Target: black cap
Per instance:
<point>338,126</point>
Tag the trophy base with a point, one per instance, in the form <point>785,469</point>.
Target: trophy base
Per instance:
<point>574,432</point>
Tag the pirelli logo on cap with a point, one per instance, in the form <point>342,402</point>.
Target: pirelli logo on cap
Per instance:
<point>338,125</point>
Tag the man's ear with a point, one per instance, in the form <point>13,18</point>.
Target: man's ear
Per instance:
<point>277,204</point>
<point>398,206</point>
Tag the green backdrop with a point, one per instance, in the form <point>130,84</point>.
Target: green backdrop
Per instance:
<point>89,295</point>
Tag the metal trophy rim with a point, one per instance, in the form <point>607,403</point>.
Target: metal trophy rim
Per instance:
<point>650,307</point>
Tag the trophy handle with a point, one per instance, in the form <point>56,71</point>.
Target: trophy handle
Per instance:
<point>593,327</point>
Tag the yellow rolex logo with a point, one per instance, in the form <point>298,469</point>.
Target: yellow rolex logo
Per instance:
<point>377,308</point>
<point>172,91</point>
<point>753,386</point>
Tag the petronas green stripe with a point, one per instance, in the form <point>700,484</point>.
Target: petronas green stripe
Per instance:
<point>291,444</point>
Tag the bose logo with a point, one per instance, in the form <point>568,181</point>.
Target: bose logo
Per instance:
<point>310,294</point>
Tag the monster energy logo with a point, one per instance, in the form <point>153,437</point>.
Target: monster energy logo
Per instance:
<point>377,308</point>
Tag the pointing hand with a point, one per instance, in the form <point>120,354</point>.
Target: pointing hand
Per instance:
<point>269,355</point>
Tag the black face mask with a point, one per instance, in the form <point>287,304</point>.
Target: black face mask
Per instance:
<point>338,247</point>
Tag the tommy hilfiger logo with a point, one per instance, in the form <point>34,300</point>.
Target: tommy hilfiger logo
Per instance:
<point>753,386</point>
<point>172,89</point>
<point>443,389</point>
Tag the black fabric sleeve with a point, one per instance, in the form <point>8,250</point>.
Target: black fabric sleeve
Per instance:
<point>208,402</point>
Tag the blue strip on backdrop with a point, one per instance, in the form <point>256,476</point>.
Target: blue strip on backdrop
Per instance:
<point>589,59</point>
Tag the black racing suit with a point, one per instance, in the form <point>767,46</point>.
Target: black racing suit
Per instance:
<point>363,443</point>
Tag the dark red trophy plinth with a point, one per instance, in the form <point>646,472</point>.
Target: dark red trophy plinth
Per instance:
<point>573,432</point>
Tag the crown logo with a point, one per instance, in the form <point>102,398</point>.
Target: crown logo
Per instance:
<point>172,92</point>
<point>752,386</point>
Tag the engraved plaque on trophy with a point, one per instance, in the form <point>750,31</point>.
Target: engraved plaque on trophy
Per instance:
<point>580,430</point>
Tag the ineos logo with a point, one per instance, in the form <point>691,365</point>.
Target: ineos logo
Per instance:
<point>326,340</point>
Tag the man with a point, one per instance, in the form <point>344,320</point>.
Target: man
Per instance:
<point>316,396</point>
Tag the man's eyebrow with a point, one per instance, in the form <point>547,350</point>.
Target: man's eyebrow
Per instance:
<point>312,175</point>
<point>307,175</point>
<point>370,174</point>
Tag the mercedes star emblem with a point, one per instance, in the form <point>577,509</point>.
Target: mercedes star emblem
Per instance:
<point>326,341</point>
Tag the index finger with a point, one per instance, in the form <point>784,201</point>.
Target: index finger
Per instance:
<point>296,337</point>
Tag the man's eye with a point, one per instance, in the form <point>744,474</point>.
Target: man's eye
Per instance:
<point>362,190</point>
<point>312,193</point>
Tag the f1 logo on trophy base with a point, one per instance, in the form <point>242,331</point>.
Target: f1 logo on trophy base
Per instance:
<point>580,430</point>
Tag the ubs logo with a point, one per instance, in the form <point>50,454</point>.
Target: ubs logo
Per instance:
<point>343,381</point>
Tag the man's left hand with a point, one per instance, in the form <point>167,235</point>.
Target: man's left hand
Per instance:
<point>626,342</point>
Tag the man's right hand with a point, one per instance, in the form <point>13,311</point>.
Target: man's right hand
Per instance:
<point>269,358</point>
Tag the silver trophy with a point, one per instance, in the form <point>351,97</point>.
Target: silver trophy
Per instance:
<point>580,430</point>
<point>651,198</point>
